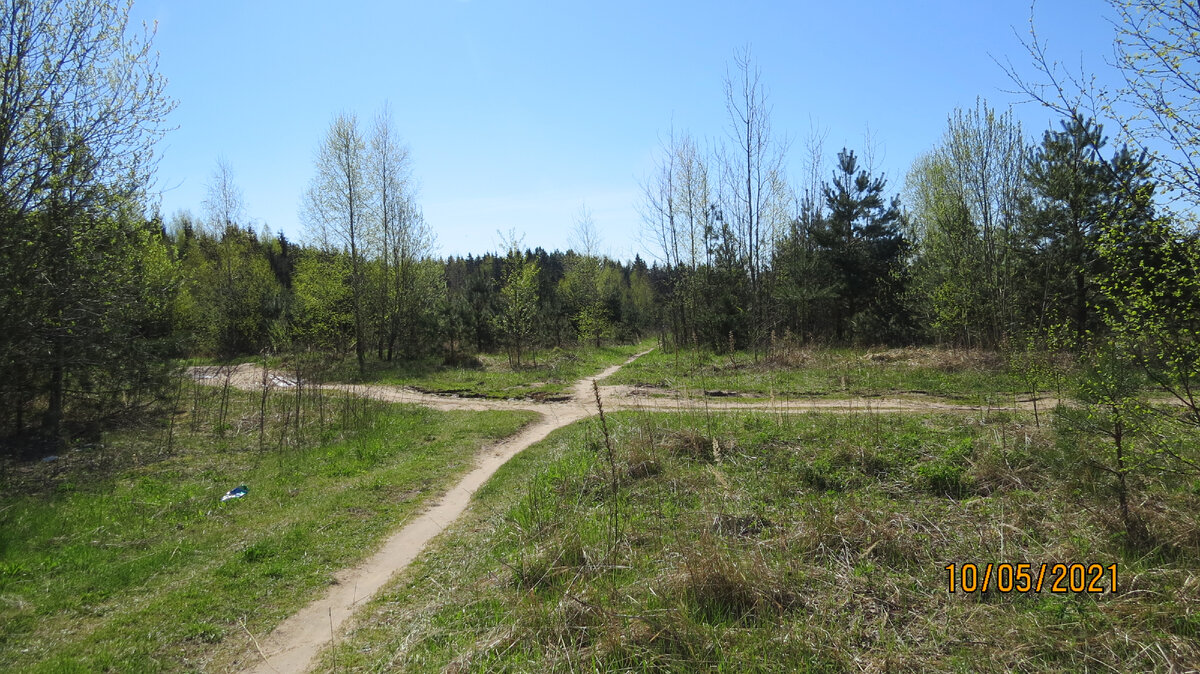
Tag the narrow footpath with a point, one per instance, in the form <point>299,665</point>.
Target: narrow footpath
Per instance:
<point>294,644</point>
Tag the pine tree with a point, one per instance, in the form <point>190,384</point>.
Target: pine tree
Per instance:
<point>1075,190</point>
<point>862,240</point>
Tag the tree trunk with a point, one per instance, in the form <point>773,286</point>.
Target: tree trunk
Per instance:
<point>1080,305</point>
<point>52,423</point>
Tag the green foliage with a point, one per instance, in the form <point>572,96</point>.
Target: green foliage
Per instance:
<point>76,79</point>
<point>233,294</point>
<point>1075,190</point>
<point>323,313</point>
<point>86,285</point>
<point>637,303</point>
<point>593,324</point>
<point>947,474</point>
<point>472,305</point>
<point>1152,283</point>
<point>948,284</point>
<point>1105,431</point>
<point>517,320</point>
<point>965,198</point>
<point>861,240</point>
<point>409,306</point>
<point>592,292</point>
<point>92,297</point>
<point>1158,104</point>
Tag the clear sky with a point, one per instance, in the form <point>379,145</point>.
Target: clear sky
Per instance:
<point>517,113</point>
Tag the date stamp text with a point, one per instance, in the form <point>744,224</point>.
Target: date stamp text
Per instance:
<point>1057,578</point>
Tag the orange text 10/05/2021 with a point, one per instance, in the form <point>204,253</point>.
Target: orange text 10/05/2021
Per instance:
<point>1058,578</point>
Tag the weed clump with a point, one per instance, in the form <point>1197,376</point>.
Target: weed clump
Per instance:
<point>1018,464</point>
<point>740,526</point>
<point>788,353</point>
<point>552,566</point>
<point>715,588</point>
<point>640,469</point>
<point>947,474</point>
<point>941,359</point>
<point>689,444</point>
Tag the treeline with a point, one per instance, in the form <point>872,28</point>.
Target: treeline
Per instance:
<point>242,292</point>
<point>998,240</point>
<point>751,257</point>
<point>144,292</point>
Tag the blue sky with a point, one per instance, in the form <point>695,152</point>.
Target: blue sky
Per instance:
<point>517,113</point>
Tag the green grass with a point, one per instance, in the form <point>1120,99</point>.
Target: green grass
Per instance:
<point>812,542</point>
<point>120,556</point>
<point>968,376</point>
<point>550,375</point>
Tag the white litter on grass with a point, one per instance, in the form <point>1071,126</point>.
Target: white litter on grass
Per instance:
<point>282,382</point>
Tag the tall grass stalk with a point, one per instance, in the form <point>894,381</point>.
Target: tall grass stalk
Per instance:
<point>614,482</point>
<point>262,407</point>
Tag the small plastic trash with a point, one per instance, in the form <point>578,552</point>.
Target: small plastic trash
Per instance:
<point>236,492</point>
<point>48,459</point>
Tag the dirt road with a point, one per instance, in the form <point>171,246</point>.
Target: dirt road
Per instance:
<point>297,640</point>
<point>623,397</point>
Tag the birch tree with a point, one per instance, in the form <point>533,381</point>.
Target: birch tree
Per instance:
<point>517,319</point>
<point>240,284</point>
<point>1158,108</point>
<point>753,174</point>
<point>336,209</point>
<point>223,201</point>
<point>966,200</point>
<point>390,174</point>
<point>1156,104</point>
<point>679,211</point>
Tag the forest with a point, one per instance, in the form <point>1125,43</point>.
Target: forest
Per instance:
<point>999,242</point>
<point>1025,302</point>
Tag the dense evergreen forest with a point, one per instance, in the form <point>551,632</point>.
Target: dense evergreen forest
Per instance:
<point>999,239</point>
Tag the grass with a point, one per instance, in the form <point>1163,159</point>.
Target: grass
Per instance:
<point>491,376</point>
<point>120,555</point>
<point>810,542</point>
<point>975,377</point>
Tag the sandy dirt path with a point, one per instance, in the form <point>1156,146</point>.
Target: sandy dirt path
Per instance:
<point>625,397</point>
<point>294,644</point>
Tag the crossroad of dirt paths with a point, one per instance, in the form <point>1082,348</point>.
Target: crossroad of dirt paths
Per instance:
<point>295,643</point>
